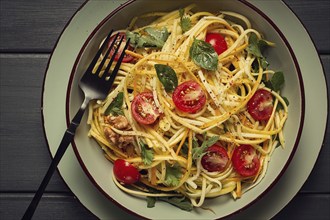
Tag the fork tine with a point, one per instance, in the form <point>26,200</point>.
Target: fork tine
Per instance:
<point>96,57</point>
<point>107,55</point>
<point>116,69</point>
<point>122,55</point>
<point>106,71</point>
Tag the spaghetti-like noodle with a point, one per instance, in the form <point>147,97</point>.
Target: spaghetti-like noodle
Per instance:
<point>165,150</point>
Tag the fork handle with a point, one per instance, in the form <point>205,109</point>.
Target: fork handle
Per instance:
<point>66,140</point>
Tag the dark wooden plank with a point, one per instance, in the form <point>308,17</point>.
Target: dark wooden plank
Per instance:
<point>24,157</point>
<point>59,206</point>
<point>306,207</point>
<point>315,16</point>
<point>41,22</point>
<point>63,206</point>
<point>36,24</point>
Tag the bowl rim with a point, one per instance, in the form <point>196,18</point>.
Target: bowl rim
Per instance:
<point>296,142</point>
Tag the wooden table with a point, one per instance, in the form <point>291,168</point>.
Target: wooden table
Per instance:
<point>28,32</point>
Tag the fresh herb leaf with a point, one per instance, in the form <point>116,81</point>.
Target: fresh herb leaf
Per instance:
<point>160,35</point>
<point>117,111</point>
<point>181,12</point>
<point>253,47</point>
<point>194,143</point>
<point>199,151</point>
<point>277,138</point>
<point>185,22</point>
<point>280,106</point>
<point>173,175</point>
<point>185,147</point>
<point>141,41</point>
<point>135,38</point>
<point>180,202</point>
<point>147,155</point>
<point>256,48</point>
<point>277,81</point>
<point>262,44</point>
<point>151,201</point>
<point>268,84</point>
<point>167,77</point>
<point>204,55</point>
<point>263,62</point>
<point>255,65</point>
<point>115,107</point>
<point>152,37</point>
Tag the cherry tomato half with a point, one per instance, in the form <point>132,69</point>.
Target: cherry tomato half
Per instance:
<point>260,106</point>
<point>215,159</point>
<point>144,109</point>
<point>245,160</point>
<point>217,41</point>
<point>127,58</point>
<point>189,97</point>
<point>125,172</point>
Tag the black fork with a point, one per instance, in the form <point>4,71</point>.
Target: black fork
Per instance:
<point>94,86</point>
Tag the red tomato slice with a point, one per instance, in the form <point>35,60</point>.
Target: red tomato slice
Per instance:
<point>245,160</point>
<point>260,106</point>
<point>215,159</point>
<point>125,172</point>
<point>127,58</point>
<point>144,109</point>
<point>189,97</point>
<point>217,41</point>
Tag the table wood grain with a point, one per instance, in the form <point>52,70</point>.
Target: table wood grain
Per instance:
<point>28,33</point>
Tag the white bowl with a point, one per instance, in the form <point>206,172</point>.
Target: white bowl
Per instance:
<point>99,169</point>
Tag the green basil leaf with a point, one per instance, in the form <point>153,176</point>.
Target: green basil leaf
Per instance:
<point>204,55</point>
<point>167,77</point>
<point>160,35</point>
<point>133,36</point>
<point>115,107</point>
<point>152,38</point>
